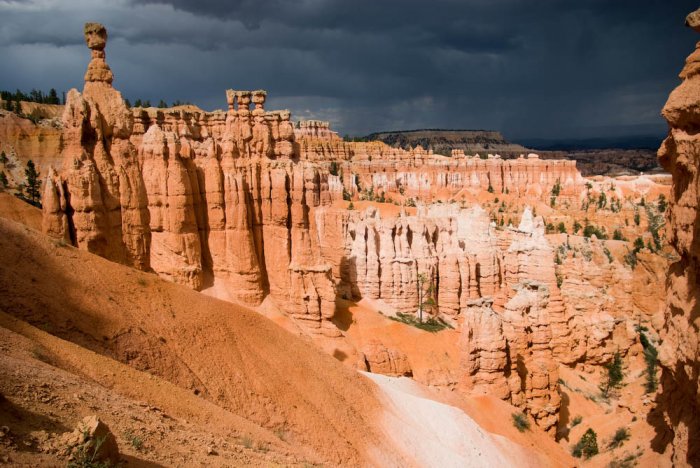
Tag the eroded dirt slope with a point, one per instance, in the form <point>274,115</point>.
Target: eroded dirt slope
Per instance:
<point>224,353</point>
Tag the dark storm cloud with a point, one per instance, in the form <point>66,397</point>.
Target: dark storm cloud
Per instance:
<point>542,68</point>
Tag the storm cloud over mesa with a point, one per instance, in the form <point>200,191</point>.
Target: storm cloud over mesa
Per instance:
<point>532,69</point>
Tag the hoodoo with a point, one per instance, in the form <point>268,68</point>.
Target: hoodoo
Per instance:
<point>199,198</point>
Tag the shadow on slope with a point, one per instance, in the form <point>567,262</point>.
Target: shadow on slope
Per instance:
<point>225,353</point>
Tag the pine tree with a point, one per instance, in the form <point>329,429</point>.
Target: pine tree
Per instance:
<point>614,375</point>
<point>587,446</point>
<point>3,180</point>
<point>53,97</point>
<point>33,182</point>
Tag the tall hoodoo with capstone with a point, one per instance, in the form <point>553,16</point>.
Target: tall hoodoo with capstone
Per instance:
<point>100,199</point>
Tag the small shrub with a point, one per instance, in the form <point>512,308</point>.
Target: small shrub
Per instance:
<point>651,358</point>
<point>615,205</point>
<point>351,206</point>
<point>621,435</point>
<point>556,189</point>
<point>590,230</point>
<point>617,235</point>
<point>576,421</point>
<point>247,442</point>
<point>614,375</point>
<point>662,204</point>
<point>134,440</point>
<point>432,325</point>
<point>521,422</point>
<point>629,461</point>
<point>587,446</point>
<point>587,253</point>
<point>577,227</point>
<point>607,253</point>
<point>262,447</point>
<point>631,259</point>
<point>87,455</point>
<point>561,227</point>
<point>656,221</point>
<point>638,244</point>
<point>602,200</point>
<point>142,282</point>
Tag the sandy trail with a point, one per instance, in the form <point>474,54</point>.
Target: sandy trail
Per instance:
<point>437,435</point>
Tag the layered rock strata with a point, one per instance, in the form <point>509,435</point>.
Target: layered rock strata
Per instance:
<point>419,173</point>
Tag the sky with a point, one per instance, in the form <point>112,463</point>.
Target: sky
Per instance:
<point>535,69</point>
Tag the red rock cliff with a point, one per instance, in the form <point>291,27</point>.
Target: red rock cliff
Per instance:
<point>680,352</point>
<point>199,198</point>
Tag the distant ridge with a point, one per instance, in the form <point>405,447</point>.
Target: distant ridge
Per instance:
<point>435,130</point>
<point>443,141</point>
<point>651,142</point>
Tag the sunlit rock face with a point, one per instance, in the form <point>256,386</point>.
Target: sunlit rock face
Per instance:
<point>196,197</point>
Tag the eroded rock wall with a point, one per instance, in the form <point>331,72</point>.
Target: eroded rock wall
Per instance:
<point>199,198</point>
<point>419,173</point>
<point>680,351</point>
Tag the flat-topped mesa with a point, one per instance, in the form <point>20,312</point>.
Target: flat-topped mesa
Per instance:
<point>680,350</point>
